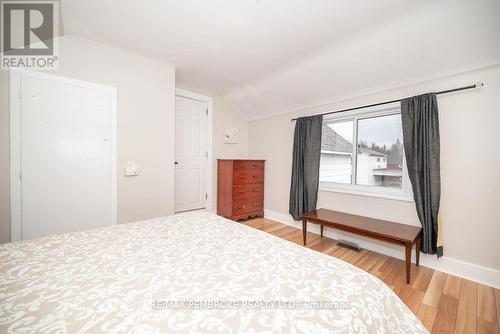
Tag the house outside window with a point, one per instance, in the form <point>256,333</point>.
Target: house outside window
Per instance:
<point>362,153</point>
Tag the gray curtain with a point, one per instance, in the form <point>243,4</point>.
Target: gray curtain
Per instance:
<point>305,165</point>
<point>421,143</point>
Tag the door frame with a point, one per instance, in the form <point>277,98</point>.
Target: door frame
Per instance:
<point>209,101</point>
<point>15,143</point>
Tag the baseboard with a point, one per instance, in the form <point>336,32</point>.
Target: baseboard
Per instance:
<point>467,270</point>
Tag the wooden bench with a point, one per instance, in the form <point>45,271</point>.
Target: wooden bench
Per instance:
<point>405,235</point>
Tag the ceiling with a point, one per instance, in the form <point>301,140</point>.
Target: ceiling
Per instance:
<point>274,56</point>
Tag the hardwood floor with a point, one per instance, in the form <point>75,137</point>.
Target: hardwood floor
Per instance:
<point>444,303</point>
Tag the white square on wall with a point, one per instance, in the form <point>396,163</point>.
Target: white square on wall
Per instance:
<point>230,135</point>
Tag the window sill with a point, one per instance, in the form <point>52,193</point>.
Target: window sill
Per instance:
<point>367,193</point>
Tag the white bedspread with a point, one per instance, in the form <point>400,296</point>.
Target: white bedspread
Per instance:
<point>159,276</point>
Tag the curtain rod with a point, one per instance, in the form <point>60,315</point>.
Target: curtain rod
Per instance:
<point>478,85</point>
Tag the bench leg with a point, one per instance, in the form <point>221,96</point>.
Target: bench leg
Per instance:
<point>304,230</point>
<point>408,261</point>
<point>321,229</point>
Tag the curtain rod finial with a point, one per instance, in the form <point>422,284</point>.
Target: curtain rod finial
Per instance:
<point>479,85</point>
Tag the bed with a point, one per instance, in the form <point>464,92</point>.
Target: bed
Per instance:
<point>189,273</point>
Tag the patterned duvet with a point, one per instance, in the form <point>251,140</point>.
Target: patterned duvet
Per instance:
<point>188,273</point>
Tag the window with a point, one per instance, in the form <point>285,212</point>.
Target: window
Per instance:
<point>363,154</point>
<point>336,152</point>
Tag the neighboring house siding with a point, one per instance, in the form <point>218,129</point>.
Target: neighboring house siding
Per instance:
<point>335,168</point>
<point>366,165</point>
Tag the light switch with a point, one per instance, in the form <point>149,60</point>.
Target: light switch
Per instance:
<point>131,169</point>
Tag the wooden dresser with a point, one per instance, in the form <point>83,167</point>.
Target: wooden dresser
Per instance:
<point>240,188</point>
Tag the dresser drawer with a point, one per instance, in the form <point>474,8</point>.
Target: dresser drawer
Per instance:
<point>239,165</point>
<point>246,205</point>
<point>248,190</point>
<point>248,176</point>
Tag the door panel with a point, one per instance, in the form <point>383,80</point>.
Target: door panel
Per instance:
<point>66,157</point>
<point>195,140</point>
<point>179,133</point>
<point>179,185</point>
<point>191,154</point>
<point>195,183</point>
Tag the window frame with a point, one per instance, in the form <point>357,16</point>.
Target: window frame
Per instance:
<point>403,194</point>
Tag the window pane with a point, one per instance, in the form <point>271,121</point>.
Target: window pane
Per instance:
<point>336,152</point>
<point>380,152</point>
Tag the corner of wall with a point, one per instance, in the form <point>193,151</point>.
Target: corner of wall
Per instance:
<point>227,115</point>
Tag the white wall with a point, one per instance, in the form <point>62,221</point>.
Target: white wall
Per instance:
<point>146,102</point>
<point>227,115</point>
<point>470,160</point>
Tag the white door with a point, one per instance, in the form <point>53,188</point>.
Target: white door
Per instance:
<point>191,157</point>
<point>68,172</point>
